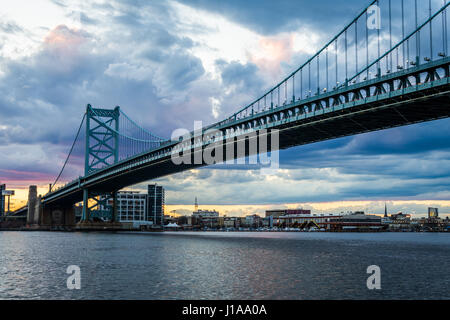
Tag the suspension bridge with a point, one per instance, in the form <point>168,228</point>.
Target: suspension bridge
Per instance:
<point>364,79</point>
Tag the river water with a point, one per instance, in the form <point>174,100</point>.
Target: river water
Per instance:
<point>210,265</point>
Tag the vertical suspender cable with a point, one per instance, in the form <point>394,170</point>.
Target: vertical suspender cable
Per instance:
<point>326,86</point>
<point>279,95</point>
<point>443,31</point>
<point>379,48</point>
<point>407,53</point>
<point>271,99</point>
<point>336,56</point>
<point>293,88</point>
<point>431,31</point>
<point>390,31</point>
<point>446,30</point>
<point>356,46</point>
<point>69,154</point>
<point>346,58</point>
<point>403,32</point>
<point>367,49</point>
<point>417,35</point>
<point>301,83</point>
<point>309,71</point>
<point>285,91</point>
<point>318,74</point>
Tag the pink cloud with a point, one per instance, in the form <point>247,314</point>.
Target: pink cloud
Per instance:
<point>64,47</point>
<point>24,177</point>
<point>273,51</point>
<point>62,37</point>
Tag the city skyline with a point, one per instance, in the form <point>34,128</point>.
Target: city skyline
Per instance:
<point>369,207</point>
<point>230,62</point>
<point>414,207</point>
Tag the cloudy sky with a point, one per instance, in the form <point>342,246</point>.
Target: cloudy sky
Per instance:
<point>169,63</point>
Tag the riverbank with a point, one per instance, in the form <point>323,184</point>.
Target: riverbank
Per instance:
<point>106,229</point>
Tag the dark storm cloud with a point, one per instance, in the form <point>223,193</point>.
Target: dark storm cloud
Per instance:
<point>63,79</point>
<point>410,153</point>
<point>246,76</point>
<point>86,20</point>
<point>182,69</point>
<point>40,93</point>
<point>43,96</point>
<point>407,190</point>
<point>410,140</point>
<point>270,17</point>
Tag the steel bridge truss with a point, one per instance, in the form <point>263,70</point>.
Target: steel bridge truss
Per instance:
<point>393,87</point>
<point>102,144</point>
<point>101,206</point>
<point>102,150</point>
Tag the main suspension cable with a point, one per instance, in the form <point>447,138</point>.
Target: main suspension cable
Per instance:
<point>70,152</point>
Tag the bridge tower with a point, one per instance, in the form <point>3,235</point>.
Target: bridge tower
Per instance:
<point>102,149</point>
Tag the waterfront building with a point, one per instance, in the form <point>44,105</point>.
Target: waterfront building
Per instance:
<point>131,206</point>
<point>2,200</point>
<point>400,222</point>
<point>253,221</point>
<point>357,221</point>
<point>433,222</point>
<point>206,218</point>
<point>286,212</point>
<point>386,221</point>
<point>155,204</point>
<point>139,209</point>
<point>206,213</point>
<point>229,222</point>
<point>306,221</point>
<point>185,222</point>
<point>268,222</point>
<point>221,222</point>
<point>433,213</point>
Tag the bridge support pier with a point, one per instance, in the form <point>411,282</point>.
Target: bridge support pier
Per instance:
<point>114,207</point>
<point>58,216</point>
<point>85,214</point>
<point>33,206</point>
<point>105,207</point>
<point>42,216</point>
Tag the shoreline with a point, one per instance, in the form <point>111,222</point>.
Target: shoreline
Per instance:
<point>109,230</point>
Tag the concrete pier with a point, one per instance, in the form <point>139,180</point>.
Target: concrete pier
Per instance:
<point>60,216</point>
<point>57,216</point>
<point>45,217</point>
<point>32,215</point>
